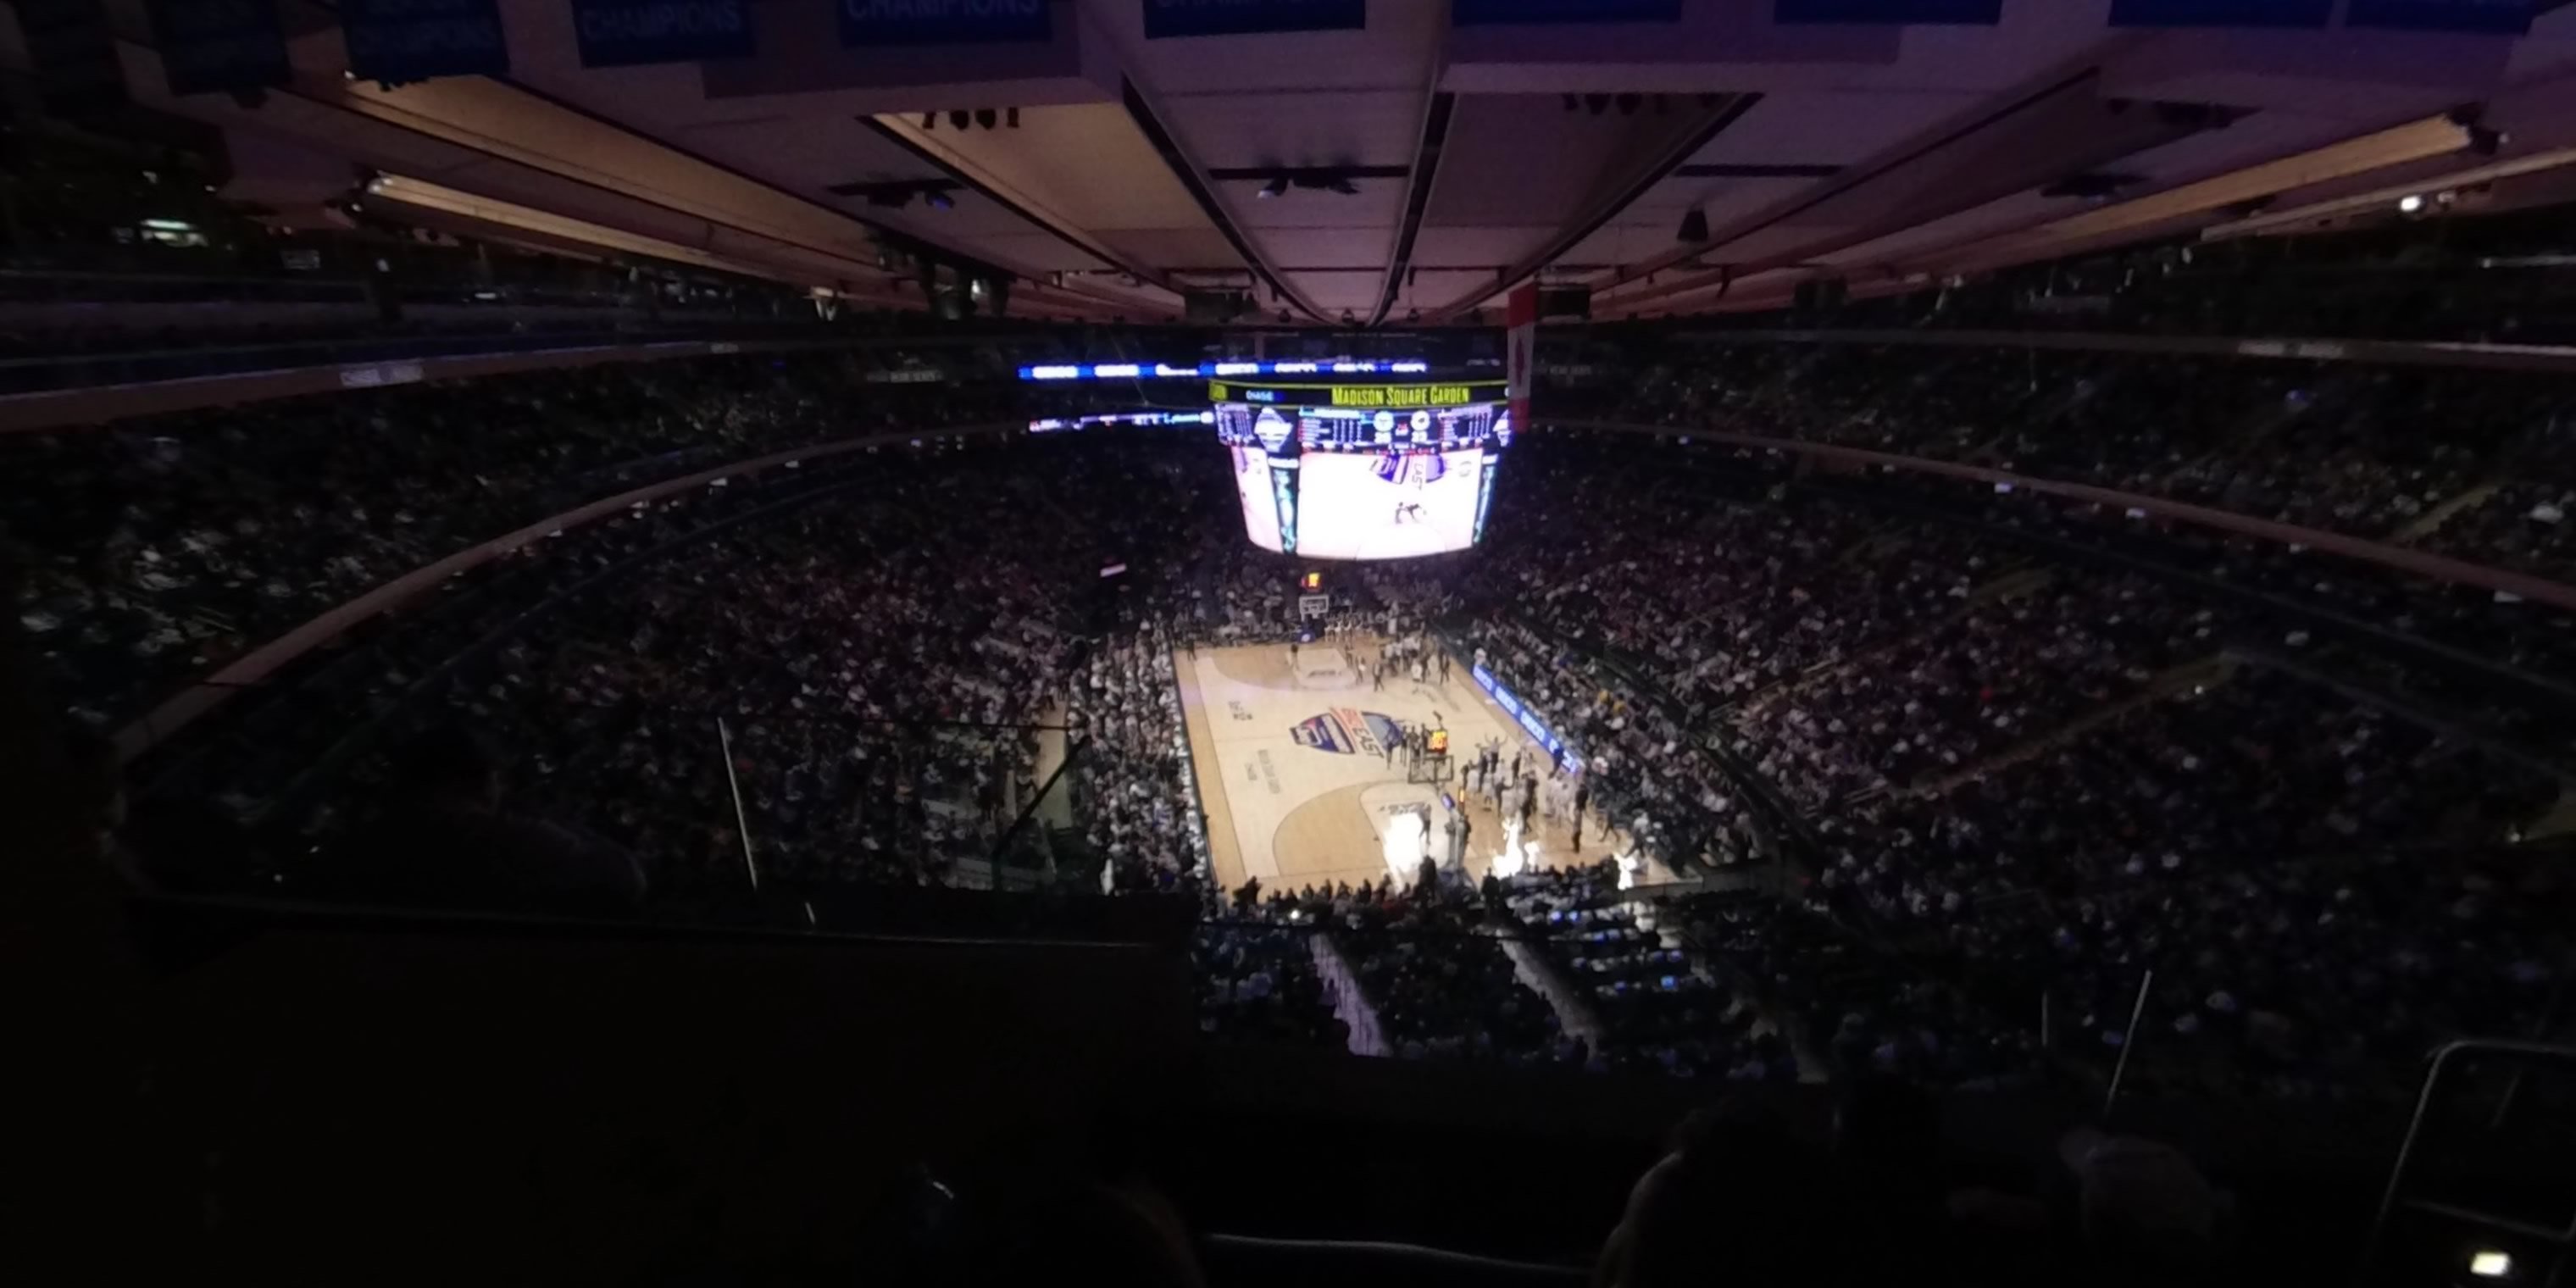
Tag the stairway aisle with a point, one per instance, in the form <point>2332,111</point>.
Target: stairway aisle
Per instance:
<point>1574,1013</point>
<point>1350,1005</point>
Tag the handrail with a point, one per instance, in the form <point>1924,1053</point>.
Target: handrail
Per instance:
<point>189,704</point>
<point>99,404</point>
<point>2521,1052</point>
<point>1421,1261</point>
<point>2419,563</point>
<point>2420,353</point>
<point>254,911</point>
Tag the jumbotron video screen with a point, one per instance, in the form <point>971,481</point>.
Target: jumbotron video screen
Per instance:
<point>1351,483</point>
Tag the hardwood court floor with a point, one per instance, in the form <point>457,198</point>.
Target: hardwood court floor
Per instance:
<point>1290,771</point>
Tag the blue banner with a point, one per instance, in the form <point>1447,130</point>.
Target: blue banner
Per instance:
<point>2220,13</point>
<point>628,33</point>
<point>1891,11</point>
<point>1484,13</point>
<point>2498,17</point>
<point>1238,17</point>
<point>942,22</point>
<point>1965,12</point>
<point>396,41</point>
<point>1528,720</point>
<point>212,45</point>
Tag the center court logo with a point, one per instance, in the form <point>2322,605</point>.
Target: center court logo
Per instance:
<point>1345,730</point>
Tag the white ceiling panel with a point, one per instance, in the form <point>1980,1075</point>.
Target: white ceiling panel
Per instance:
<point>1828,128</point>
<point>742,155</point>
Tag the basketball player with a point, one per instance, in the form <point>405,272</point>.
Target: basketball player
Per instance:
<point>1413,473</point>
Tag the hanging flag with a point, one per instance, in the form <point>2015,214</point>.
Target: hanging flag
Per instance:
<point>942,22</point>
<point>210,46</point>
<point>1165,18</point>
<point>2220,13</point>
<point>399,41</point>
<point>2497,17</point>
<point>1520,353</point>
<point>629,33</point>
<point>1957,12</point>
<point>1485,13</point>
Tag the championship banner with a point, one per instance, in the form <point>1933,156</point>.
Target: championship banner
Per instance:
<point>1168,18</point>
<point>2220,13</point>
<point>2491,17</point>
<point>1484,13</point>
<point>211,46</point>
<point>396,42</point>
<point>631,33</point>
<point>1520,363</point>
<point>1981,13</point>
<point>941,22</point>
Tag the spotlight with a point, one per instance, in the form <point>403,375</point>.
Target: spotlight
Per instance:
<point>1349,318</point>
<point>2485,142</point>
<point>930,120</point>
<point>937,200</point>
<point>1277,187</point>
<point>2409,204</point>
<point>1694,227</point>
<point>957,119</point>
<point>1596,103</point>
<point>2491,1263</point>
<point>987,117</point>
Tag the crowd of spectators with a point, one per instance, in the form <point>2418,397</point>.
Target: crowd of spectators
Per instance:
<point>1258,982</point>
<point>1134,791</point>
<point>1661,1005</point>
<point>1971,686</point>
<point>159,548</point>
<point>2082,745</point>
<point>2465,462</point>
<point>1965,772</point>
<point>1426,961</point>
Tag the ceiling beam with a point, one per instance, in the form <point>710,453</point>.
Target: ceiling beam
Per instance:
<point>1194,181</point>
<point>1686,145</point>
<point>1417,198</point>
<point>1691,256</point>
<point>901,133</point>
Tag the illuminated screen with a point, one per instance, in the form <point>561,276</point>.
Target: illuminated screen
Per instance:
<point>1252,485</point>
<point>1341,483</point>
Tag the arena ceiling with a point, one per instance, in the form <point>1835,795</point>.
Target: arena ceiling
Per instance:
<point>1428,167</point>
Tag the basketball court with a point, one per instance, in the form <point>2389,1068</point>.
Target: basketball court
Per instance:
<point>1293,772</point>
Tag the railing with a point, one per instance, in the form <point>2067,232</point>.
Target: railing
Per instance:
<point>99,404</point>
<point>2417,562</point>
<point>77,370</point>
<point>257,666</point>
<point>2420,353</point>
<point>2440,1224</point>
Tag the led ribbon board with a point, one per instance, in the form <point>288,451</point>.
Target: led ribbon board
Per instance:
<point>1365,397</point>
